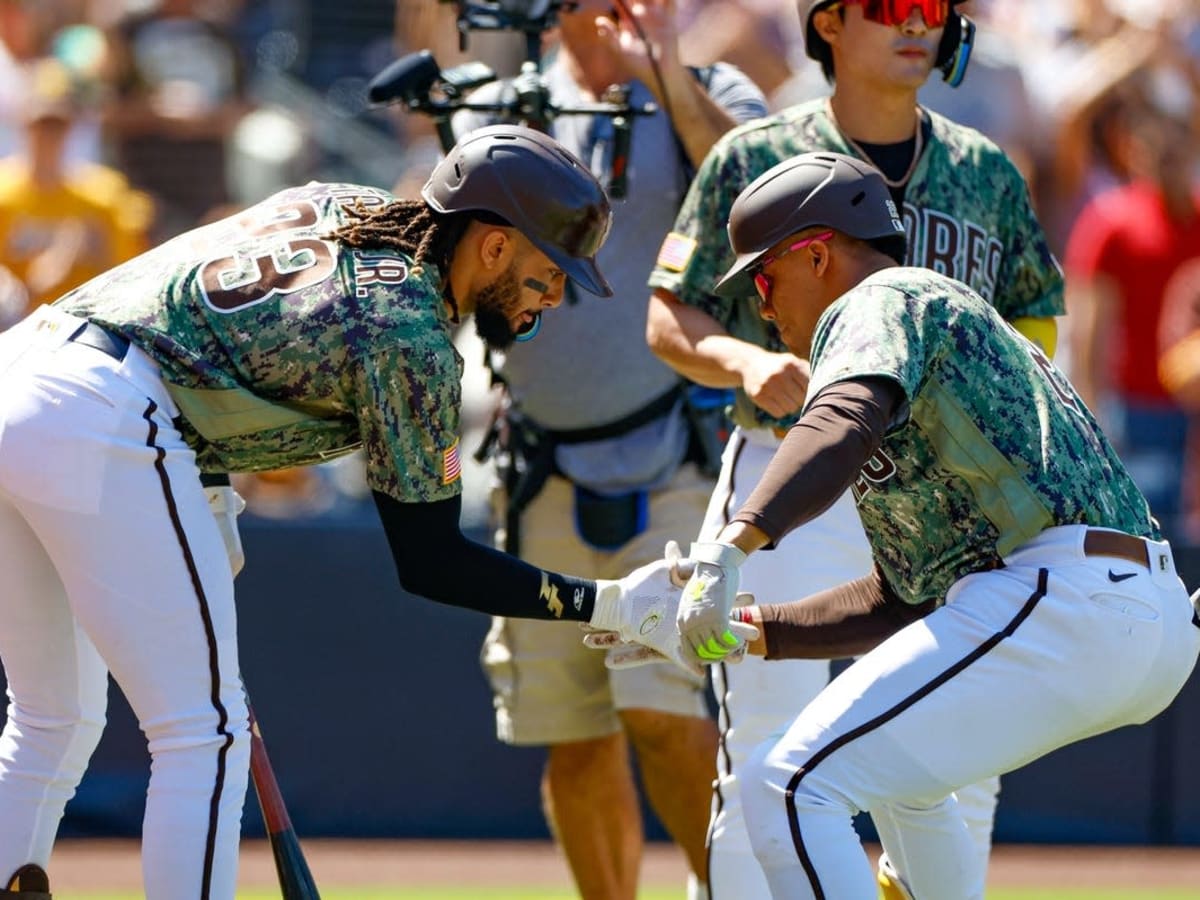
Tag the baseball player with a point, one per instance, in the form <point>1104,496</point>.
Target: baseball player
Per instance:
<point>967,214</point>
<point>1020,596</point>
<point>313,323</point>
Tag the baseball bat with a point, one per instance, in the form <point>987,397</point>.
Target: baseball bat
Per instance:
<point>295,879</point>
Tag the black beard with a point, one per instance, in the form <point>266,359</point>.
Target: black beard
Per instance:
<point>493,307</point>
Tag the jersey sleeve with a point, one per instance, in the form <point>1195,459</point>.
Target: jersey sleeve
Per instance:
<point>408,410</point>
<point>1030,280</point>
<point>696,252</point>
<point>874,331</point>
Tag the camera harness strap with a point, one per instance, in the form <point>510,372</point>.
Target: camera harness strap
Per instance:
<point>526,451</point>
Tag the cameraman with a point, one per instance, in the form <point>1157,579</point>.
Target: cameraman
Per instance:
<point>603,464</point>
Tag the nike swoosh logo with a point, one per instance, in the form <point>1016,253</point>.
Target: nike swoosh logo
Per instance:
<point>1121,577</point>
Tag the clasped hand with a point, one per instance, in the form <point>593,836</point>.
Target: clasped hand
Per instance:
<point>635,618</point>
<point>707,632</point>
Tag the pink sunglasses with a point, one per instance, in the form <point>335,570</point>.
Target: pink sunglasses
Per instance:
<point>762,282</point>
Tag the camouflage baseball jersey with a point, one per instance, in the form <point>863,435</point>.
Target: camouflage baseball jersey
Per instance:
<point>283,348</point>
<point>995,446</point>
<point>966,210</point>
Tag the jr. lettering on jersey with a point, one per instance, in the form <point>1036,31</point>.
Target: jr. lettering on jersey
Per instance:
<point>370,269</point>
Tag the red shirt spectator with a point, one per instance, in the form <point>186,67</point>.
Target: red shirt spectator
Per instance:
<point>1124,250</point>
<point>1179,370</point>
<point>1126,241</point>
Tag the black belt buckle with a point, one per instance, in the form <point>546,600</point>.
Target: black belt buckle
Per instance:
<point>99,338</point>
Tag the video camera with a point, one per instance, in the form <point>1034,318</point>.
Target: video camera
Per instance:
<point>417,81</point>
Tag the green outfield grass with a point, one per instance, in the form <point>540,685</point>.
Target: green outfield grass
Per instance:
<point>433,893</point>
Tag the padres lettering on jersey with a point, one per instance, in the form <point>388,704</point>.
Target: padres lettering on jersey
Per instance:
<point>996,445</point>
<point>966,211</point>
<point>282,348</point>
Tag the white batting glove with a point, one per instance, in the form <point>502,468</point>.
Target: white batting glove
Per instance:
<point>705,629</point>
<point>682,567</point>
<point>747,631</point>
<point>628,654</point>
<point>623,654</point>
<point>638,610</point>
<point>226,505</point>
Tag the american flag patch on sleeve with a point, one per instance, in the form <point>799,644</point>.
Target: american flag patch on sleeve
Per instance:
<point>676,252</point>
<point>451,464</point>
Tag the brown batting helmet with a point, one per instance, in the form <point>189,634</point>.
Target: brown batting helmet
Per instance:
<point>533,183</point>
<point>811,190</point>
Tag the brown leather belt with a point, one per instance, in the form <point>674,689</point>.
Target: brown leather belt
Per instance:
<point>1116,543</point>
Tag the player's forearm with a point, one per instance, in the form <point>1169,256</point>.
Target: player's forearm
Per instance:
<point>695,344</point>
<point>844,621</point>
<point>821,456</point>
<point>435,560</point>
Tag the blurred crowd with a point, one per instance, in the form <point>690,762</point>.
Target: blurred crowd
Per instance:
<point>126,122</point>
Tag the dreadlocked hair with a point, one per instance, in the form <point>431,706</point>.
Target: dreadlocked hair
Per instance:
<point>410,226</point>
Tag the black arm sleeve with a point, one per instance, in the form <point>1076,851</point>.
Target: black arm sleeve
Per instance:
<point>846,620</point>
<point>822,454</point>
<point>436,560</point>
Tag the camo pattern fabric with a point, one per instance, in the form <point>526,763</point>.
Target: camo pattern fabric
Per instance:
<point>357,342</point>
<point>966,211</point>
<point>993,447</point>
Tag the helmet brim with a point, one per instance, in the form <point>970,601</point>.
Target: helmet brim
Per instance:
<point>736,281</point>
<point>584,272</point>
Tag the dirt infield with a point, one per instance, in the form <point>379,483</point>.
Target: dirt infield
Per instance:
<point>100,864</point>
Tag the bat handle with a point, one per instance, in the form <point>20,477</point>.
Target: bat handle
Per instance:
<point>295,879</point>
<point>270,798</point>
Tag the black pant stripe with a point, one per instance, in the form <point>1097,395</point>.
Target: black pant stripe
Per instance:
<point>210,635</point>
<point>737,455</point>
<point>867,727</point>
<point>726,764</point>
<point>725,767</point>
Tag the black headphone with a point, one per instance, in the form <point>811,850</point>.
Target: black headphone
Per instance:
<point>954,52</point>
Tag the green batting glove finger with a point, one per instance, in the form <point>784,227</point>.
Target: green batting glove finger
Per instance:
<point>730,639</point>
<point>709,655</point>
<point>710,649</point>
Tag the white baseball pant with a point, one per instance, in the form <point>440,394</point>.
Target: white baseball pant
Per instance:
<point>113,562</point>
<point>759,698</point>
<point>1020,661</point>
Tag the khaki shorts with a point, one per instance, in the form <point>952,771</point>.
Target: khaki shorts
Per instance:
<point>547,687</point>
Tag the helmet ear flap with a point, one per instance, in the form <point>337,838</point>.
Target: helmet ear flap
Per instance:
<point>954,51</point>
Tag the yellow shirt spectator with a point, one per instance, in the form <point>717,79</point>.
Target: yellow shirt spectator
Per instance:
<point>60,227</point>
<point>55,237</point>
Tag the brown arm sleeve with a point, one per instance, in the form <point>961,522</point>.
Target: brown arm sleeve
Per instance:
<point>846,620</point>
<point>822,455</point>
